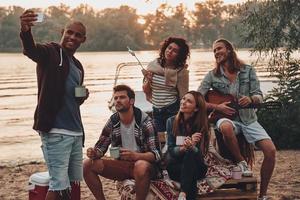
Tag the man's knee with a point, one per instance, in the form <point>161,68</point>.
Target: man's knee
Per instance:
<point>226,128</point>
<point>269,149</point>
<point>92,166</point>
<point>142,168</point>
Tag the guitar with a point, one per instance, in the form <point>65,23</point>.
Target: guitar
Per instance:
<point>215,97</point>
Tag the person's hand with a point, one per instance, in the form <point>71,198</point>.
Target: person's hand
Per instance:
<point>224,108</point>
<point>27,20</point>
<point>196,137</point>
<point>148,75</point>
<point>93,153</point>
<point>126,154</point>
<point>244,101</point>
<point>188,144</point>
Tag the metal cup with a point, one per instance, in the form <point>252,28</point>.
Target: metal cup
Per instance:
<point>114,152</point>
<point>236,173</point>
<point>80,91</point>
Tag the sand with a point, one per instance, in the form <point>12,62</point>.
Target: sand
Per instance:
<point>285,183</point>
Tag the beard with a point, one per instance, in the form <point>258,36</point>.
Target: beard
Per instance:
<point>221,60</point>
<point>122,109</point>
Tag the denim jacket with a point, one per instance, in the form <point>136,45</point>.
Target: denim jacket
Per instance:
<point>248,86</point>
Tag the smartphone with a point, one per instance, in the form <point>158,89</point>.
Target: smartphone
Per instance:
<point>40,17</point>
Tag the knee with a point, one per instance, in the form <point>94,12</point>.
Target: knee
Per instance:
<point>92,166</point>
<point>87,165</point>
<point>226,129</point>
<point>141,169</point>
<point>190,156</point>
<point>270,153</point>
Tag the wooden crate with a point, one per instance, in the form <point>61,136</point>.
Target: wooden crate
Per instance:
<point>245,188</point>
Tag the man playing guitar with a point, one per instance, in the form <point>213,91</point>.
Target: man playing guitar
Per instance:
<point>232,76</point>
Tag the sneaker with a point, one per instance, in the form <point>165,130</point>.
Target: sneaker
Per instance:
<point>182,196</point>
<point>245,169</point>
<point>264,198</point>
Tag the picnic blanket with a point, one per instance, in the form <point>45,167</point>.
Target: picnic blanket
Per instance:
<point>219,171</point>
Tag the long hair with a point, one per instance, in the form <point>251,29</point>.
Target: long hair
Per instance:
<point>197,123</point>
<point>234,62</point>
<point>184,51</point>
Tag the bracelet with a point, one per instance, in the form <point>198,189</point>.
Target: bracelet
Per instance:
<point>216,107</point>
<point>251,99</point>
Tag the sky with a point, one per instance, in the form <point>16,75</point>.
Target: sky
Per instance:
<point>142,6</point>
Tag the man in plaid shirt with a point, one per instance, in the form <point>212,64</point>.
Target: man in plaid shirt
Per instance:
<point>133,132</point>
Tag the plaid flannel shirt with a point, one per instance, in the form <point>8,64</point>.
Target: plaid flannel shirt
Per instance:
<point>144,132</point>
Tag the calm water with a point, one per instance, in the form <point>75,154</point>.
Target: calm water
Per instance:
<point>18,89</point>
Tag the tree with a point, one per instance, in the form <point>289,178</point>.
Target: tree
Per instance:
<point>166,22</point>
<point>208,21</point>
<point>10,27</point>
<point>156,26</point>
<point>273,28</point>
<point>118,28</point>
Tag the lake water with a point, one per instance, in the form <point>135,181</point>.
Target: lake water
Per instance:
<point>18,94</point>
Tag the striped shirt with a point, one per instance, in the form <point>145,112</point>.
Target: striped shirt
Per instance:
<point>162,94</point>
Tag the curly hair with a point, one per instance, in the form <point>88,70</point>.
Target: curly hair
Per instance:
<point>184,51</point>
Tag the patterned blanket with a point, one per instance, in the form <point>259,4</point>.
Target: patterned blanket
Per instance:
<point>219,171</point>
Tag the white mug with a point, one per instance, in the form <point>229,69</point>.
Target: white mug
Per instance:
<point>80,91</point>
<point>180,140</point>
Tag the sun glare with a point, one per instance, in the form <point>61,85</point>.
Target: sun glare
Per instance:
<point>141,21</point>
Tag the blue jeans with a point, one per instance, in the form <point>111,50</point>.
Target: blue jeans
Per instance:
<point>63,156</point>
<point>160,115</point>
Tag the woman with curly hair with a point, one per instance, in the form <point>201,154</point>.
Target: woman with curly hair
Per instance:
<point>167,79</point>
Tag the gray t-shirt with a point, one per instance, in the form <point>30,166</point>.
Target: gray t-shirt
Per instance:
<point>68,117</point>
<point>128,138</point>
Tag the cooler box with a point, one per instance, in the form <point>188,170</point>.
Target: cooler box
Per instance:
<point>39,183</point>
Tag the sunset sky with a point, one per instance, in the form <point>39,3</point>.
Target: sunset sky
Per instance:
<point>142,6</point>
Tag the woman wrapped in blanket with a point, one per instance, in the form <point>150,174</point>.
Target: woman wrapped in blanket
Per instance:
<point>167,80</point>
<point>186,164</point>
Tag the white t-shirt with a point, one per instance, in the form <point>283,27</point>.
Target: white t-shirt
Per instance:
<point>127,136</point>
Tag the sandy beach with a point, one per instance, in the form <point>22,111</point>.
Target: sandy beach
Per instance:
<point>285,184</point>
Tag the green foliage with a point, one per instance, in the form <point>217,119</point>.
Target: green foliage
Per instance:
<point>115,28</point>
<point>208,21</point>
<point>272,27</point>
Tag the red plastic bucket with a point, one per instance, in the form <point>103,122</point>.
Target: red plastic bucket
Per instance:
<point>39,183</point>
